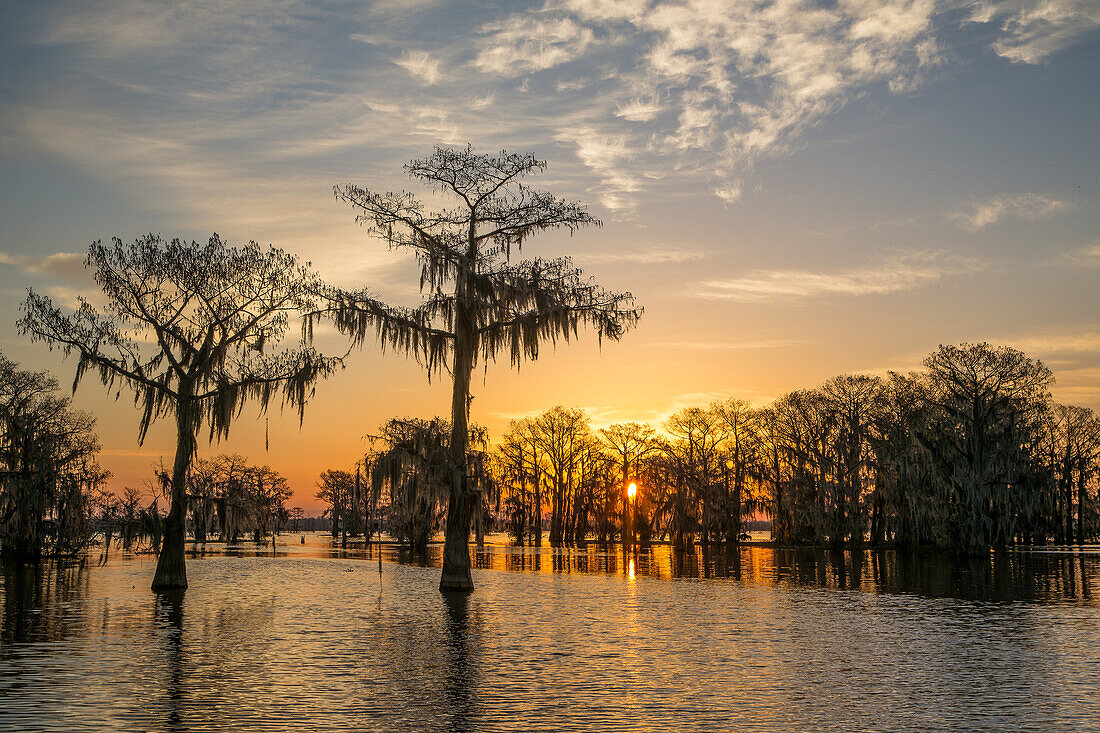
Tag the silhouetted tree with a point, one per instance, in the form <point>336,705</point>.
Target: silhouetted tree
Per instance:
<point>854,401</point>
<point>411,463</point>
<point>190,329</point>
<point>741,454</point>
<point>478,303</point>
<point>631,443</point>
<point>1073,454</point>
<point>48,469</point>
<point>336,488</point>
<point>983,405</point>
<point>518,465</point>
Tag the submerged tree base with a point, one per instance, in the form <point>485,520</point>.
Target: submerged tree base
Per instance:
<point>171,571</point>
<point>169,581</point>
<point>456,583</point>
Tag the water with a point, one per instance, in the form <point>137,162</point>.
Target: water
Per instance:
<point>555,640</point>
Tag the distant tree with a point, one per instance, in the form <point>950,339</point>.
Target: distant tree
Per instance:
<point>855,401</point>
<point>190,329</point>
<point>47,465</point>
<point>130,515</point>
<point>518,465</point>
<point>984,403</point>
<point>335,488</point>
<point>695,435</point>
<point>1074,454</point>
<point>296,515</point>
<point>562,435</point>
<point>410,462</point>
<point>741,452</point>
<point>265,494</point>
<point>631,443</point>
<point>204,490</point>
<point>478,302</point>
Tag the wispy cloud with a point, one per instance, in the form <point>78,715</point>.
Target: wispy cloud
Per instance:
<point>638,111</point>
<point>715,87</point>
<point>1082,340</point>
<point>609,157</point>
<point>1072,352</point>
<point>632,90</point>
<point>65,278</point>
<point>902,273</point>
<point>1033,30</point>
<point>658,417</point>
<point>644,256</point>
<point>1087,256</point>
<point>598,415</point>
<point>522,44</point>
<point>978,215</point>
<point>69,265</point>
<point>728,345</point>
<point>421,65</point>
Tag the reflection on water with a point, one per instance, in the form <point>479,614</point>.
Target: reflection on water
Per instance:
<point>555,639</point>
<point>461,668</point>
<point>1068,574</point>
<point>168,615</point>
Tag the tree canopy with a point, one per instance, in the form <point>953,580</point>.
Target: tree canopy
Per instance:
<point>195,331</point>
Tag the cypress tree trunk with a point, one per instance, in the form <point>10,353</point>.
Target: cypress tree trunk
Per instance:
<point>1082,497</point>
<point>737,503</point>
<point>456,543</point>
<point>171,567</point>
<point>538,511</point>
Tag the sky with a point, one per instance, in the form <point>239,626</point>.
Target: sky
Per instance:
<point>792,190</point>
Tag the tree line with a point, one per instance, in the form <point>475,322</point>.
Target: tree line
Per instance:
<point>968,454</point>
<point>50,479</point>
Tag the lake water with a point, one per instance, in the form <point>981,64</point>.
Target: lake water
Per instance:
<point>555,640</point>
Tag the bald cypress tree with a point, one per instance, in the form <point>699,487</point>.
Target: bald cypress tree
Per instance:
<point>192,330</point>
<point>478,302</point>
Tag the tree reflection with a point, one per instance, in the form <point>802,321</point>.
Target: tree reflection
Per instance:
<point>461,669</point>
<point>168,614</point>
<point>34,598</point>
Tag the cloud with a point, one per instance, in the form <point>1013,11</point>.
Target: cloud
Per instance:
<point>610,157</point>
<point>69,265</point>
<point>1028,206</point>
<point>1033,30</point>
<point>523,44</point>
<point>728,345</point>
<point>1087,256</point>
<point>644,256</point>
<point>714,87</point>
<point>902,273</point>
<point>659,417</point>
<point>1073,353</point>
<point>421,65</point>
<point>699,91</point>
<point>638,111</point>
<point>1079,341</point>
<point>76,282</point>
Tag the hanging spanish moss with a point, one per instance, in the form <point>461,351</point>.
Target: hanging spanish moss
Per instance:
<point>194,331</point>
<point>477,302</point>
